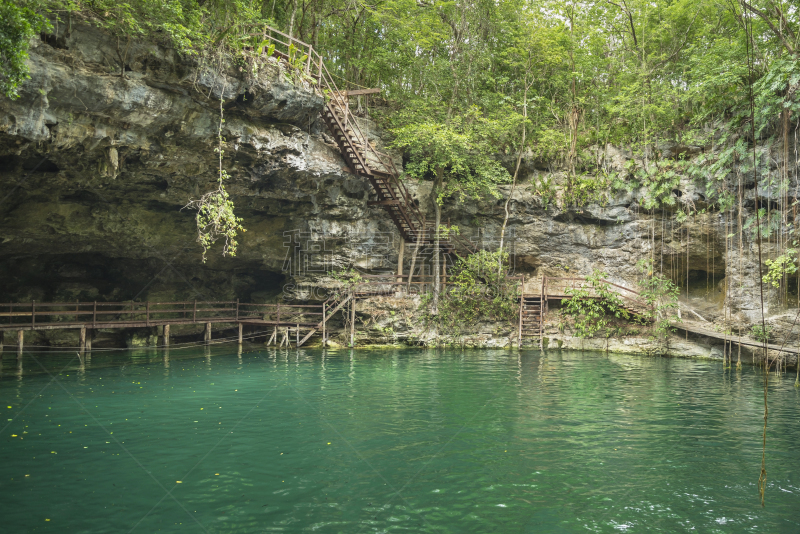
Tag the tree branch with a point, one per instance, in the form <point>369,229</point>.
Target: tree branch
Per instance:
<point>630,19</point>
<point>765,17</point>
<point>680,47</point>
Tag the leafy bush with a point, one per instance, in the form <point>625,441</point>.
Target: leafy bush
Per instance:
<point>780,267</point>
<point>661,295</point>
<point>592,309</point>
<point>761,333</point>
<point>18,24</point>
<point>478,293</point>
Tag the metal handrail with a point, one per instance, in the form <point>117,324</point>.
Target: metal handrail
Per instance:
<point>635,298</point>
<point>397,188</point>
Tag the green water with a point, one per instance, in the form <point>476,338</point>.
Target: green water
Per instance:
<point>393,440</point>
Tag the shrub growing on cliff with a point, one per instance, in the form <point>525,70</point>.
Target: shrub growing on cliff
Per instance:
<point>780,268</point>
<point>476,292</point>
<point>592,309</point>
<point>18,25</point>
<point>661,295</point>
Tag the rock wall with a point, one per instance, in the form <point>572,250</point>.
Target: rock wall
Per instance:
<point>102,151</point>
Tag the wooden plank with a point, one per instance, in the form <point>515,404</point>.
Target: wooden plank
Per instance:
<point>731,338</point>
<point>358,92</point>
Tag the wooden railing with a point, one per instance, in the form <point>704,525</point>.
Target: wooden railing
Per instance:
<point>555,288</point>
<point>46,315</point>
<point>363,158</point>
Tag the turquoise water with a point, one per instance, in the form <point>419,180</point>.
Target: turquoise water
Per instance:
<point>393,440</point>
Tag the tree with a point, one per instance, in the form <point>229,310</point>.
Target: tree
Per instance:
<point>458,159</point>
<point>19,23</point>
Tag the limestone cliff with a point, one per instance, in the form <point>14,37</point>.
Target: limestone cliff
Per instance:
<point>102,150</point>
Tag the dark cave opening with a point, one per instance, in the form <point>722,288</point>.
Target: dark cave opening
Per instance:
<point>701,284</point>
<point>790,291</point>
<point>37,164</point>
<point>90,277</point>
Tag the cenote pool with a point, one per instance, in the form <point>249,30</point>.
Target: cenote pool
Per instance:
<point>393,440</point>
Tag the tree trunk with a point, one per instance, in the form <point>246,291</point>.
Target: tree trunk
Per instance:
<point>514,179</point>
<point>291,20</point>
<point>436,256</point>
<point>420,236</point>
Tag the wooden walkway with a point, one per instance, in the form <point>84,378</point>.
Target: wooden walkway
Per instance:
<point>731,338</point>
<point>87,316</point>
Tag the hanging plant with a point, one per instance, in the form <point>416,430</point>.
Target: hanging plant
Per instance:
<point>215,216</point>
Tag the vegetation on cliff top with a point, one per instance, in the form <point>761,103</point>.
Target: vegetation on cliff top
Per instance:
<point>634,73</point>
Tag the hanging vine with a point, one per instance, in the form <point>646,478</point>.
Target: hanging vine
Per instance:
<point>216,219</point>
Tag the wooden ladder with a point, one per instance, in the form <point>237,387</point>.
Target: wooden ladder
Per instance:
<point>531,316</point>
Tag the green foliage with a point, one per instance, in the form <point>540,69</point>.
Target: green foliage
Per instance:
<point>478,293</point>
<point>661,296</point>
<point>192,27</point>
<point>780,267</point>
<point>544,187</point>
<point>776,91</point>
<point>215,216</point>
<point>19,23</point>
<point>457,153</point>
<point>586,189</point>
<point>216,220</point>
<point>594,309</point>
<point>761,333</point>
<point>658,181</point>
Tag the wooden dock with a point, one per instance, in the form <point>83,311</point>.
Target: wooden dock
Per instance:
<point>87,316</point>
<point>732,338</point>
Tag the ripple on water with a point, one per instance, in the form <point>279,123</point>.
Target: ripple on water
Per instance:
<point>415,440</point>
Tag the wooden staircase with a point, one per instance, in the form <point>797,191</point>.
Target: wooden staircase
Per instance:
<point>377,167</point>
<point>361,157</point>
<point>531,316</point>
<point>333,305</point>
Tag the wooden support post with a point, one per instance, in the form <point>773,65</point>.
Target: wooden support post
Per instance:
<point>274,337</point>
<point>241,327</point>
<point>33,315</point>
<point>89,340</point>
<point>285,338</point>
<point>297,336</point>
<point>82,342</point>
<point>419,235</point>
<point>542,308</point>
<point>400,261</point>
<point>208,333</point>
<point>279,313</point>
<point>444,273</point>
<point>194,312</point>
<point>166,335</point>
<point>324,333</point>
<point>521,301</point>
<point>94,314</point>
<point>20,339</point>
<point>352,318</point>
